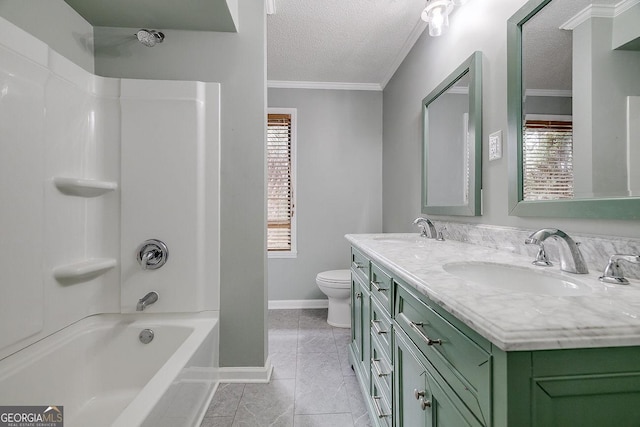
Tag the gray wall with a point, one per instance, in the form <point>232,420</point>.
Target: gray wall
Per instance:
<point>339,160</point>
<point>237,61</point>
<point>475,26</point>
<point>55,22</point>
<point>555,105</point>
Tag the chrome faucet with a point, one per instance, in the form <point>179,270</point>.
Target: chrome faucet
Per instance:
<point>571,259</point>
<point>613,273</point>
<point>426,224</point>
<point>152,254</point>
<point>146,300</point>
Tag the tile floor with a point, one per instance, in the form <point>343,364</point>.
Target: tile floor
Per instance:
<point>312,384</point>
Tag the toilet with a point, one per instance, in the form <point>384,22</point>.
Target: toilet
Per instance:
<point>336,285</point>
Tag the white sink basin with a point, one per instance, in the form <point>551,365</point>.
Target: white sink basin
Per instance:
<point>517,279</point>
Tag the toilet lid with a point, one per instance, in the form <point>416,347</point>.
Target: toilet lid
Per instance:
<point>335,276</point>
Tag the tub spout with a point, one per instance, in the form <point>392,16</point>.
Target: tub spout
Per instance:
<point>147,300</point>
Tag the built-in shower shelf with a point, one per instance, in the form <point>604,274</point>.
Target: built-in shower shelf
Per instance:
<point>83,187</point>
<point>84,270</point>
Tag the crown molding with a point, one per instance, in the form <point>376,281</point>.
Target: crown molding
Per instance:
<point>283,84</point>
<point>598,11</point>
<point>625,5</point>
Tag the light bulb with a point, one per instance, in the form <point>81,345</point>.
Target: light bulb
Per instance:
<point>437,15</point>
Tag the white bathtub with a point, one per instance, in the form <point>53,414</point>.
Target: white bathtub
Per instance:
<point>102,375</point>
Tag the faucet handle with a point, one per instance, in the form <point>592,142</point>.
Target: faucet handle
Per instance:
<point>613,273</point>
<point>427,229</point>
<point>541,258</point>
<point>152,254</point>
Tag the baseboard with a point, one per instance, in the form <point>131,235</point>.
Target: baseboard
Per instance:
<point>259,374</point>
<point>298,303</point>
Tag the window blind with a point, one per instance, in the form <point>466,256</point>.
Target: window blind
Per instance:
<point>547,155</point>
<point>279,183</point>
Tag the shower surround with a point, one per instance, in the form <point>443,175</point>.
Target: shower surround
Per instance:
<point>91,167</point>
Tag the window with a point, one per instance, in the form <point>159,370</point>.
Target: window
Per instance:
<point>547,157</point>
<point>281,141</point>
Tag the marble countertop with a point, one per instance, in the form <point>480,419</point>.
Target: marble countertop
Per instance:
<point>607,315</point>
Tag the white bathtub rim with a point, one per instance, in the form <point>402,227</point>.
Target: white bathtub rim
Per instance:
<point>201,324</point>
<point>86,325</point>
<point>139,409</point>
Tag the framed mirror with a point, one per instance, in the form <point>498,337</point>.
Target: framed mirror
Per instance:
<point>574,109</point>
<point>452,143</point>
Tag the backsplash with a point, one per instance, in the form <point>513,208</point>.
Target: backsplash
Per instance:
<point>595,249</point>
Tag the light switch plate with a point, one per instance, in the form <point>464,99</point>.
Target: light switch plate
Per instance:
<point>495,145</point>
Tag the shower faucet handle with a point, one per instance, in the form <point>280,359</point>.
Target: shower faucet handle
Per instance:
<point>152,254</point>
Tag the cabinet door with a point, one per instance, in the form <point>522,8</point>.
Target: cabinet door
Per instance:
<point>409,379</point>
<point>366,333</point>
<point>423,398</point>
<point>356,316</point>
<point>587,401</point>
<point>445,409</point>
<point>360,328</point>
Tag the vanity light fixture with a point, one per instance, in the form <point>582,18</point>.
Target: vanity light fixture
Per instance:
<point>436,14</point>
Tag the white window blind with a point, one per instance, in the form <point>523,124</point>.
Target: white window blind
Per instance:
<point>280,166</point>
<point>547,155</point>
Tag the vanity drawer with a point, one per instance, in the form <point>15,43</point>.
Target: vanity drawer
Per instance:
<point>381,367</point>
<point>360,265</point>
<point>381,287</point>
<point>464,365</point>
<point>381,325</point>
<point>381,405</point>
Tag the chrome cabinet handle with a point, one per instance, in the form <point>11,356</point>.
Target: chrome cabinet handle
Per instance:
<point>420,397</point>
<point>358,265</point>
<point>358,295</point>
<point>376,327</point>
<point>416,327</point>
<point>424,404</point>
<point>378,288</point>
<point>379,411</point>
<point>379,373</point>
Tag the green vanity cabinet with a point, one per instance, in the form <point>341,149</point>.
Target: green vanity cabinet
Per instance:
<point>419,365</point>
<point>423,398</point>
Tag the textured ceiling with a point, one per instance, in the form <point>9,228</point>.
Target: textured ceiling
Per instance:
<point>353,41</point>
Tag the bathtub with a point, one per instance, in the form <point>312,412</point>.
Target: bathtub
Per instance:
<point>103,375</point>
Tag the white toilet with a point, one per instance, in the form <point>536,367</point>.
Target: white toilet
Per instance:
<point>336,285</point>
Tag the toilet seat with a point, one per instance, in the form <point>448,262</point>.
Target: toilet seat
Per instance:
<point>335,278</point>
